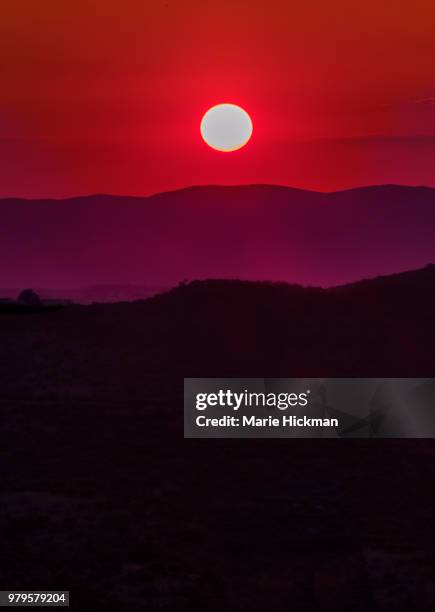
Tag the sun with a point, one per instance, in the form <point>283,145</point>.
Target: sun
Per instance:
<point>226,127</point>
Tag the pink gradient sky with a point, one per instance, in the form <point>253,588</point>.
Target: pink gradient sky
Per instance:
<point>107,97</point>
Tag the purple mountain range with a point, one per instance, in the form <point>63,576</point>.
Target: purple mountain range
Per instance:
<point>247,232</point>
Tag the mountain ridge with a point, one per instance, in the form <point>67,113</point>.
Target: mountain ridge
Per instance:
<point>247,186</point>
<point>247,232</point>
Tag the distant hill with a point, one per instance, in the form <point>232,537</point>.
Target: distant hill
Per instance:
<point>379,327</point>
<point>250,232</point>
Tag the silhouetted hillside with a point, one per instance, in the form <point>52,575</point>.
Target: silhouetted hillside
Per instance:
<point>130,516</point>
<point>379,327</point>
<point>249,232</point>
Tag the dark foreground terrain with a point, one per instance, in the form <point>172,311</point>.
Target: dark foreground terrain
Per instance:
<point>101,495</point>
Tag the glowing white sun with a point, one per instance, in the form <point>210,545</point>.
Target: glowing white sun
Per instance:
<point>226,127</point>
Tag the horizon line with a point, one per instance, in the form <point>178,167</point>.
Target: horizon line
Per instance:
<point>178,283</point>
<point>220,186</point>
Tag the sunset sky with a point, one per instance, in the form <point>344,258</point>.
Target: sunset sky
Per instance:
<point>108,96</point>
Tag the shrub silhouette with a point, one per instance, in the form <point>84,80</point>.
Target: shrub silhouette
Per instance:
<point>28,297</point>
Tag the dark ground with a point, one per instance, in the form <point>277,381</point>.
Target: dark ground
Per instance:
<point>101,495</point>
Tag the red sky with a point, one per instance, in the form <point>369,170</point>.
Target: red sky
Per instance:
<point>107,96</point>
